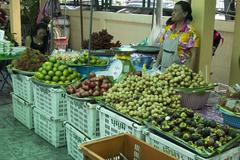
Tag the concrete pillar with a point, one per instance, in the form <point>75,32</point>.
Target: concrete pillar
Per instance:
<point>15,20</point>
<point>203,21</point>
<point>235,63</point>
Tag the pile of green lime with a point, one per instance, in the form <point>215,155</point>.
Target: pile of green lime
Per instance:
<point>53,72</point>
<point>83,59</point>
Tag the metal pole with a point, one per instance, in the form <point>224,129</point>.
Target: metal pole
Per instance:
<point>52,38</point>
<point>81,22</point>
<point>90,33</point>
<point>154,1</point>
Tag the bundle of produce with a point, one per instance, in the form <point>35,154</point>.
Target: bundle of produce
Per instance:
<point>29,60</point>
<point>142,97</point>
<point>180,76</point>
<point>101,40</point>
<point>55,73</point>
<point>80,59</point>
<point>93,86</point>
<point>204,136</point>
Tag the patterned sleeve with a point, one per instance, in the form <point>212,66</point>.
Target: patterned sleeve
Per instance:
<point>162,37</point>
<point>193,40</point>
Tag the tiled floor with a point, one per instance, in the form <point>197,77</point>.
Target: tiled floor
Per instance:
<point>19,143</point>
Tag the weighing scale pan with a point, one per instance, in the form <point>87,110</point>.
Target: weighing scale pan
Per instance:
<point>123,50</point>
<point>147,49</point>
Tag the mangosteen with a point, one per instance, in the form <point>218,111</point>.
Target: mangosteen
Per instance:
<point>160,120</point>
<point>174,115</point>
<point>191,129</point>
<point>183,125</point>
<point>226,129</point>
<point>209,142</point>
<point>214,137</point>
<point>178,134</point>
<point>165,127</point>
<point>200,142</point>
<point>194,137</point>
<point>193,124</point>
<point>190,113</point>
<point>188,121</point>
<point>220,133</point>
<point>206,122</point>
<point>205,132</point>
<point>215,145</point>
<point>183,115</point>
<point>186,136</point>
<point>213,124</point>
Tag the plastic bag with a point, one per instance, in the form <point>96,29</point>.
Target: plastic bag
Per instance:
<point>46,11</point>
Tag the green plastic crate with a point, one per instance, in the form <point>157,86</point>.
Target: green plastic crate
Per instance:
<point>48,128</point>
<point>83,116</point>
<point>51,101</point>
<point>22,111</point>
<point>74,139</point>
<point>112,123</point>
<point>22,87</point>
<point>181,153</point>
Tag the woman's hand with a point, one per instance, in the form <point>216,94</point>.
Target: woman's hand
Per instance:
<point>193,59</point>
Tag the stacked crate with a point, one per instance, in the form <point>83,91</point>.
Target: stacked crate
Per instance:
<point>82,126</point>
<point>49,113</point>
<point>22,99</point>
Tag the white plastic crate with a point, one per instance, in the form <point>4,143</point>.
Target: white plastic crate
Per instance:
<point>74,139</point>
<point>83,116</point>
<point>22,111</point>
<point>112,123</point>
<point>51,101</point>
<point>49,129</point>
<point>22,87</point>
<point>183,154</point>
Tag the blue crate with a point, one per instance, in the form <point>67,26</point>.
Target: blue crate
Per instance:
<point>85,70</point>
<point>231,120</point>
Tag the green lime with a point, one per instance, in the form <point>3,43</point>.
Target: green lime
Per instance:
<point>39,76</point>
<point>55,69</point>
<point>58,73</point>
<point>44,72</point>
<point>55,78</point>
<point>52,59</point>
<point>67,82</point>
<point>40,69</point>
<point>61,82</point>
<point>65,72</point>
<point>51,73</point>
<point>57,64</point>
<point>48,68</point>
<point>47,78</point>
<point>70,70</point>
<point>61,67</point>
<point>48,82</point>
<point>54,83</point>
<point>63,78</point>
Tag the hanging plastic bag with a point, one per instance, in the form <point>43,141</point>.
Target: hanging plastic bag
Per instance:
<point>46,11</point>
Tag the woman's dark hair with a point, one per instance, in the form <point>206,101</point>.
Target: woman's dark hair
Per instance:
<point>40,26</point>
<point>186,7</point>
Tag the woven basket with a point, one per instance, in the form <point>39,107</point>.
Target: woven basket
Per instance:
<point>230,118</point>
<point>194,100</point>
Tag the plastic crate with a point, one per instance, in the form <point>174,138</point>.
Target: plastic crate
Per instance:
<point>83,116</point>
<point>51,101</point>
<point>112,123</point>
<point>22,87</point>
<point>182,153</point>
<point>74,139</point>
<point>121,147</point>
<point>22,111</point>
<point>231,119</point>
<point>84,70</point>
<point>49,129</point>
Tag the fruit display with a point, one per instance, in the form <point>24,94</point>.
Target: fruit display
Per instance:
<point>142,97</point>
<point>180,76</point>
<point>202,134</point>
<point>80,59</point>
<point>30,60</point>
<point>53,72</point>
<point>101,40</point>
<point>93,86</point>
<point>154,99</point>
